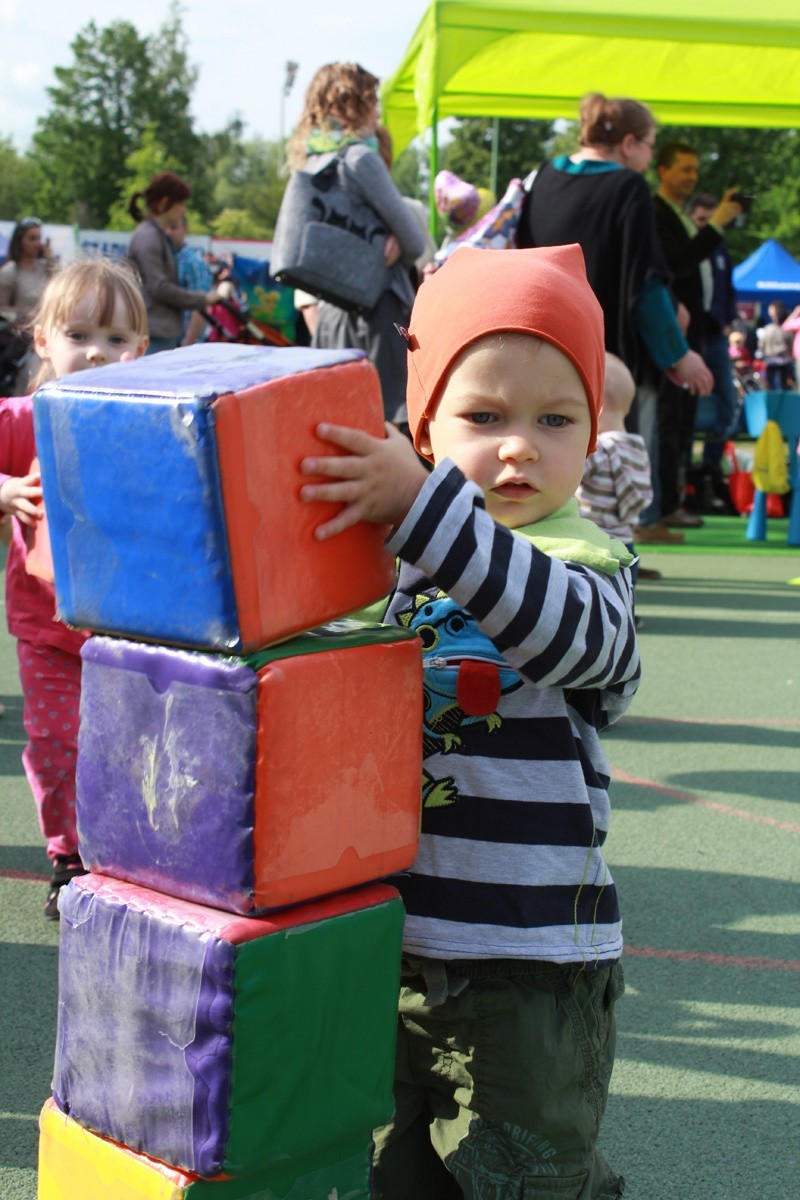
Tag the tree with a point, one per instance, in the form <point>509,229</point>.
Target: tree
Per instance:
<point>118,84</point>
<point>19,183</point>
<point>247,178</point>
<point>410,172</point>
<point>236,223</point>
<point>522,145</point>
<point>148,159</point>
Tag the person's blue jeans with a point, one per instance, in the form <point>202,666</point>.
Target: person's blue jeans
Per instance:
<point>719,364</point>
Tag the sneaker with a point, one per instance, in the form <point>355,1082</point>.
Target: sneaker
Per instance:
<point>682,519</point>
<point>648,573</point>
<point>657,533</point>
<point>66,868</point>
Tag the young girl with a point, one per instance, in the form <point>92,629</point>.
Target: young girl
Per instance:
<point>91,313</point>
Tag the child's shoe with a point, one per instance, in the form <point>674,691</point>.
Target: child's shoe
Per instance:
<point>66,868</point>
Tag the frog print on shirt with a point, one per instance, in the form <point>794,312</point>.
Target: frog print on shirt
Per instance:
<point>464,676</point>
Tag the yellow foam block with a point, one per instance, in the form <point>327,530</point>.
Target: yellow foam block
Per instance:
<point>73,1162</point>
<point>77,1164</point>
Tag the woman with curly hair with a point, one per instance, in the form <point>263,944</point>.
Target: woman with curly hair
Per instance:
<point>340,118</point>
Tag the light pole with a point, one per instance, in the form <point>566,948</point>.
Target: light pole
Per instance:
<point>288,84</point>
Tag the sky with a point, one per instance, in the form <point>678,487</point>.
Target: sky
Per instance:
<point>240,48</point>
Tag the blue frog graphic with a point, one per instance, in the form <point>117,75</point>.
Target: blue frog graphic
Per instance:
<point>464,677</point>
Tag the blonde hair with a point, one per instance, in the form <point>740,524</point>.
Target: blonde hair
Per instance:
<point>619,388</point>
<point>341,96</point>
<point>107,281</point>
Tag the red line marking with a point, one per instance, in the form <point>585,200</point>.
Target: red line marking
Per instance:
<point>699,802</point>
<point>717,960</point>
<point>25,876</point>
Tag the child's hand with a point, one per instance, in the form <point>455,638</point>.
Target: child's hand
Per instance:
<point>377,479</point>
<point>19,496</point>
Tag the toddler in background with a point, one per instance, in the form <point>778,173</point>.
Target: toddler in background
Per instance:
<point>737,349</point>
<point>91,313</point>
<point>513,935</point>
<point>616,484</point>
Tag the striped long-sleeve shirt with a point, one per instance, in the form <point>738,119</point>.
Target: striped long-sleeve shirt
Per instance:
<point>526,657</point>
<point>616,483</point>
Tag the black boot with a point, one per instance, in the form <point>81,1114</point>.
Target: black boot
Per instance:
<point>66,868</point>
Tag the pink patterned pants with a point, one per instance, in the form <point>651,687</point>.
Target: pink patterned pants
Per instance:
<point>51,689</point>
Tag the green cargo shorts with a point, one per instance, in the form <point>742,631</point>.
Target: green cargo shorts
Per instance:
<point>500,1089</point>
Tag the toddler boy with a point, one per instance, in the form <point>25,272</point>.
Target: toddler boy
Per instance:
<point>616,483</point>
<point>513,935</point>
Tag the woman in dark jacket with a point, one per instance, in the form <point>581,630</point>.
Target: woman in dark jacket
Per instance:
<point>598,198</point>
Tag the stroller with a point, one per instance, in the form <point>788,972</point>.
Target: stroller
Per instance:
<point>15,352</point>
<point>231,321</point>
<point>263,313</point>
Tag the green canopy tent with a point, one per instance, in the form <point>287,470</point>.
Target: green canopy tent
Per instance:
<point>694,62</point>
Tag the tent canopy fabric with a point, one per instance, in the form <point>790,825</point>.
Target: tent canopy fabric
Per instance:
<point>770,273</point>
<point>693,62</point>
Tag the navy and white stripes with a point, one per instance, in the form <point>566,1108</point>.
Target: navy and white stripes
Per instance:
<point>515,799</point>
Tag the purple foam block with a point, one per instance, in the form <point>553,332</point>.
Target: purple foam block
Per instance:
<point>179,1044</point>
<point>184,808</point>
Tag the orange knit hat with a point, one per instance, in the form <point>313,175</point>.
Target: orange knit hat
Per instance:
<point>543,292</point>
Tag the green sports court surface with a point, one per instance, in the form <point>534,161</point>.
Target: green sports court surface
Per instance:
<point>705,848</point>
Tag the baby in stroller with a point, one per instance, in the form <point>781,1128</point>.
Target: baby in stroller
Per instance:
<point>271,321</point>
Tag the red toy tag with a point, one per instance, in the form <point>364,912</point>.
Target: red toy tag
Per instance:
<point>478,688</point>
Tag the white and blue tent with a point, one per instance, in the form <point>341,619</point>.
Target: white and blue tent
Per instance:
<point>770,273</point>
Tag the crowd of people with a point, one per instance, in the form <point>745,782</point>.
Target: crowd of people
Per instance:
<point>540,406</point>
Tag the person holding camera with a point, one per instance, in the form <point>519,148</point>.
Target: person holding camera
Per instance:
<point>719,302</point>
<point>23,277</point>
<point>686,248</point>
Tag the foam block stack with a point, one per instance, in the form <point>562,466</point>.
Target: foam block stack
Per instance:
<point>247,774</point>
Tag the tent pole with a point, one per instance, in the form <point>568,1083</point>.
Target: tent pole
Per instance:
<point>495,153</point>
<point>434,168</point>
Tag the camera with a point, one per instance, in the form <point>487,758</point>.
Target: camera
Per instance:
<point>743,199</point>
